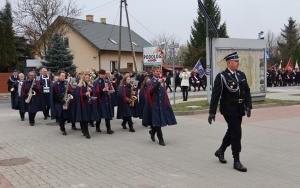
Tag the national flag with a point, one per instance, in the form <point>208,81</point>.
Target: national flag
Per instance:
<point>289,66</point>
<point>296,65</point>
<point>280,65</point>
<point>200,68</point>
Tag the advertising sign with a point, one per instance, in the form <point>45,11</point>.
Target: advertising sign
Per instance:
<point>153,55</point>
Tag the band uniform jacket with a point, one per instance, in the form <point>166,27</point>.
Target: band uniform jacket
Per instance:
<point>32,106</point>
<point>57,93</point>
<point>157,111</point>
<point>103,106</point>
<point>124,109</point>
<point>233,93</point>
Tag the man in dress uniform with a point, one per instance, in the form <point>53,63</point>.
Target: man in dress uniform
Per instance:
<point>231,88</point>
<point>12,84</point>
<point>158,112</point>
<point>30,92</point>
<point>45,81</point>
<point>60,96</point>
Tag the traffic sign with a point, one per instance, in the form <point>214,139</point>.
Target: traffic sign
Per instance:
<point>267,54</point>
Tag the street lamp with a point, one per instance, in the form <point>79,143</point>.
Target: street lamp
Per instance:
<point>172,47</point>
<point>261,35</point>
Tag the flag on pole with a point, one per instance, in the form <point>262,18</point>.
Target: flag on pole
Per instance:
<point>289,66</point>
<point>296,65</point>
<point>200,68</point>
<point>280,65</point>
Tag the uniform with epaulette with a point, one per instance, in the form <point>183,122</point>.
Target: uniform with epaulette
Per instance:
<point>233,92</point>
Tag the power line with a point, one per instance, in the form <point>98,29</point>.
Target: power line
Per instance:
<point>100,6</point>
<point>112,28</point>
<point>142,25</point>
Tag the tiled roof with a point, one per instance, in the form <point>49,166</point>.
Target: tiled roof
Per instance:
<point>98,34</point>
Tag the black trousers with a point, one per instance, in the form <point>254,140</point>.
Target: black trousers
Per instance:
<point>185,92</point>
<point>129,120</point>
<point>22,114</point>
<point>168,87</point>
<point>157,130</point>
<point>84,127</point>
<point>233,135</point>
<point>62,122</point>
<point>31,117</point>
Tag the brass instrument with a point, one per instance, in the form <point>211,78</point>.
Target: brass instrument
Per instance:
<point>133,98</point>
<point>67,98</point>
<point>31,92</point>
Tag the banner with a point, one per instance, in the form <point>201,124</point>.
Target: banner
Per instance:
<point>200,68</point>
<point>153,55</point>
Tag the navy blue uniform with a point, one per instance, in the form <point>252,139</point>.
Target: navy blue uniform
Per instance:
<point>234,94</point>
<point>12,84</point>
<point>32,107</point>
<point>103,105</point>
<point>45,82</point>
<point>157,111</point>
<point>57,94</point>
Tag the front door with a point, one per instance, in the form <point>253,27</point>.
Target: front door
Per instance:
<point>130,66</point>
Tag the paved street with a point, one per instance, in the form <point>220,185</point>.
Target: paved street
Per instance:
<point>40,156</point>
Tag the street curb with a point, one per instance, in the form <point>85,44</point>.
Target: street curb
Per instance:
<point>196,112</point>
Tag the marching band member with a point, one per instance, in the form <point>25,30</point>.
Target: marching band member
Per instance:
<point>104,103</point>
<point>45,82</point>
<point>125,103</point>
<point>84,105</point>
<point>12,84</point>
<point>30,92</point>
<point>142,97</point>
<point>59,101</point>
<point>157,111</point>
<point>21,107</point>
<point>72,105</point>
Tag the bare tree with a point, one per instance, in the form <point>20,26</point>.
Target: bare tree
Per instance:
<point>273,49</point>
<point>34,17</point>
<point>164,40</point>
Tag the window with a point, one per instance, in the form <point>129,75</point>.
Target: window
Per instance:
<point>66,41</point>
<point>112,65</point>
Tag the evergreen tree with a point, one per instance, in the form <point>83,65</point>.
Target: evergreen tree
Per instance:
<point>3,55</point>
<point>197,43</point>
<point>10,47</point>
<point>289,47</point>
<point>5,14</point>
<point>59,57</point>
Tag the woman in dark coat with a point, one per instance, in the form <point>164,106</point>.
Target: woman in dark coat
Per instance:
<point>84,104</point>
<point>126,103</point>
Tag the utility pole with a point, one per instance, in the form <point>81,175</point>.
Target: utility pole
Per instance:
<point>120,31</point>
<point>129,32</point>
<point>130,40</point>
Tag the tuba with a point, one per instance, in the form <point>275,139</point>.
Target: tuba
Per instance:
<point>30,92</point>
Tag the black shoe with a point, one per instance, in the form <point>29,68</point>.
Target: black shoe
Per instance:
<point>98,130</point>
<point>124,126</point>
<point>239,167</point>
<point>131,130</point>
<point>162,143</point>
<point>22,119</point>
<point>88,136</point>
<point>152,136</point>
<point>220,155</point>
<point>110,132</point>
<point>92,124</point>
<point>45,117</point>
<point>31,124</point>
<point>64,133</point>
<point>48,115</point>
<point>74,128</point>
